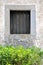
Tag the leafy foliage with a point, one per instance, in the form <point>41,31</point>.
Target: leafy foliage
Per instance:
<point>10,55</point>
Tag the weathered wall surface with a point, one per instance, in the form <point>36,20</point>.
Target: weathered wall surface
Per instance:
<point>1,22</point>
<point>39,22</point>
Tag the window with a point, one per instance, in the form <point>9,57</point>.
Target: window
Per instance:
<point>19,22</point>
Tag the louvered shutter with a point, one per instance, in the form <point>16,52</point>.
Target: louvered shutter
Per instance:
<point>20,22</point>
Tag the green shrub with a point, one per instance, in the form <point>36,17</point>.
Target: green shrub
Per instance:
<point>10,55</point>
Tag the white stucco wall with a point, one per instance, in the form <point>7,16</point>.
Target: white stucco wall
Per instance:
<point>39,22</point>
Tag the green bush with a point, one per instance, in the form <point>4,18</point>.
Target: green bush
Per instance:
<point>10,55</point>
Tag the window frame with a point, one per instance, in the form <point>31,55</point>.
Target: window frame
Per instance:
<point>20,7</point>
